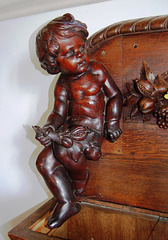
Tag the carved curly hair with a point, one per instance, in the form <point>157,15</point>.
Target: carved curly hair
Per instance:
<point>47,46</point>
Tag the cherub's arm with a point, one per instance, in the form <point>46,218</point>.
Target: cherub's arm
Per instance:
<point>112,130</point>
<point>57,116</point>
<point>59,113</point>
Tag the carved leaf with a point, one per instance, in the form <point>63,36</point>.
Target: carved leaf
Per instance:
<point>146,73</point>
<point>134,111</point>
<point>160,87</point>
<point>165,76</point>
<point>130,89</point>
<point>131,100</point>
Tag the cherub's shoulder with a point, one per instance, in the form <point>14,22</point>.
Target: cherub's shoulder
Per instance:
<point>98,69</point>
<point>61,84</point>
<point>96,66</point>
<point>62,81</point>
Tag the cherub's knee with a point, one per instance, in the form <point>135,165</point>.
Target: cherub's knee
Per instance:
<point>43,159</point>
<point>46,161</point>
<point>40,162</point>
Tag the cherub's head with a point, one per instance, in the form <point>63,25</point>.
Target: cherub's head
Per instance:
<point>61,44</point>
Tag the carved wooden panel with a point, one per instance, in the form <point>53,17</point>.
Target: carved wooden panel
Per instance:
<point>126,196</point>
<point>133,171</point>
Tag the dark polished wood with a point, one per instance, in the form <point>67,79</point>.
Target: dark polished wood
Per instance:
<point>87,108</point>
<point>97,220</point>
<point>136,174</point>
<point>126,195</point>
<point>129,27</point>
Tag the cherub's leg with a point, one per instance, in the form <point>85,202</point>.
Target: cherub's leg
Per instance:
<point>74,161</point>
<point>66,203</point>
<point>91,152</point>
<point>80,185</point>
<point>60,185</point>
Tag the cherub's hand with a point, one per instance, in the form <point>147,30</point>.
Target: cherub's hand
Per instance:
<point>112,131</point>
<point>42,135</point>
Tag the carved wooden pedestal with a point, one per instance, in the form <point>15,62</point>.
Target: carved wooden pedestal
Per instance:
<point>96,221</point>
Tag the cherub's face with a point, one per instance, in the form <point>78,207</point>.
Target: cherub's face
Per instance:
<point>72,58</point>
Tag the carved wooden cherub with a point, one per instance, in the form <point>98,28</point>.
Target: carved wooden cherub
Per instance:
<point>80,118</point>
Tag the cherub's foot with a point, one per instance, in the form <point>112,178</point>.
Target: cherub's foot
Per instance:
<point>62,212</point>
<point>80,186</point>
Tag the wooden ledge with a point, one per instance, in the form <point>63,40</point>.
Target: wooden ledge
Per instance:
<point>95,221</point>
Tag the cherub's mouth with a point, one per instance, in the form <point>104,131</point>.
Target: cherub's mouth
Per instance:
<point>83,63</point>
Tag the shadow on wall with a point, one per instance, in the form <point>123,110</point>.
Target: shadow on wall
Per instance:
<point>5,228</point>
<point>41,83</point>
<point>39,99</point>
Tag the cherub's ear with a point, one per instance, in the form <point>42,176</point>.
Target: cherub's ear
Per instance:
<point>67,142</point>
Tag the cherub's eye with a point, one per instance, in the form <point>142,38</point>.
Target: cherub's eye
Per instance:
<point>82,49</point>
<point>70,53</point>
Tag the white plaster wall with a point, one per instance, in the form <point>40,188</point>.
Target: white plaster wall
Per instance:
<point>18,8</point>
<point>26,95</point>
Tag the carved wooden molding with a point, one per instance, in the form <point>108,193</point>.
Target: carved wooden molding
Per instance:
<point>151,24</point>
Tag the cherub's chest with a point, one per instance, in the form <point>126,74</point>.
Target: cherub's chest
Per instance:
<point>88,85</point>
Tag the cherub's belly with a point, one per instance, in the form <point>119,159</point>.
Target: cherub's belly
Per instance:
<point>86,108</point>
<point>92,106</point>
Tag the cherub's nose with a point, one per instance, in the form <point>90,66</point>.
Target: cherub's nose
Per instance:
<point>79,54</point>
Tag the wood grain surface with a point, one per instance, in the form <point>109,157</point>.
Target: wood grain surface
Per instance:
<point>133,171</point>
<point>126,196</point>
<point>96,221</point>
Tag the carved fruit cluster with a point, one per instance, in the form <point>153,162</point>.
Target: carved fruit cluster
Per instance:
<point>162,116</point>
<point>147,96</point>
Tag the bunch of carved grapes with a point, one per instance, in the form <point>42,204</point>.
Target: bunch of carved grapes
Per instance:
<point>162,117</point>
